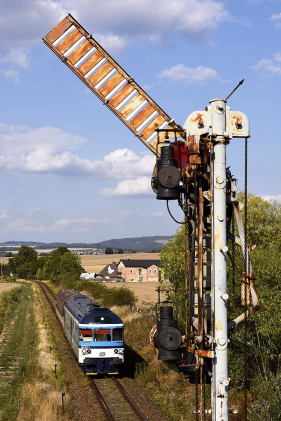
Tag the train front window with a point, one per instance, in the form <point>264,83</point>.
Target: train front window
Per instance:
<point>85,335</point>
<point>102,335</point>
<point>117,335</point>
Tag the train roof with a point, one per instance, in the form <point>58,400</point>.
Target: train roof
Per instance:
<point>65,294</point>
<point>87,311</point>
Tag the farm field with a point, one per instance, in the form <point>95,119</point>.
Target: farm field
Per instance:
<point>96,263</point>
<point>145,291</point>
<point>6,286</point>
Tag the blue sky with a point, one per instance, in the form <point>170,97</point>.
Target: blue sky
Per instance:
<point>70,170</point>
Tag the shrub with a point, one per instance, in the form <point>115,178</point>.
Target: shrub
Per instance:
<point>118,296</point>
<point>268,403</point>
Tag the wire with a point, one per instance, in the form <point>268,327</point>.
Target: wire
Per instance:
<point>181,223</point>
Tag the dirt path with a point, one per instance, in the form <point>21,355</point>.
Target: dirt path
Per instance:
<point>5,286</point>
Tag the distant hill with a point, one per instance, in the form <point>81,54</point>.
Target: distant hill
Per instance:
<point>138,244</point>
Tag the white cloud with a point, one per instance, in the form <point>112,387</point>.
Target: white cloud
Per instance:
<point>4,214</point>
<point>276,18</point>
<point>245,21</point>
<point>155,214</point>
<point>198,75</point>
<point>269,197</point>
<point>17,57</point>
<point>35,211</point>
<point>46,150</point>
<point>133,187</point>
<point>12,76</point>
<point>79,225</point>
<point>126,214</point>
<point>269,68</point>
<point>24,22</point>
<point>135,18</point>
<point>112,43</point>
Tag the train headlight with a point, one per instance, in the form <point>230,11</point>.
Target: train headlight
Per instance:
<point>116,351</point>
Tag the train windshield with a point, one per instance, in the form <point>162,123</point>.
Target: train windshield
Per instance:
<point>85,335</point>
<point>117,334</point>
<point>102,335</point>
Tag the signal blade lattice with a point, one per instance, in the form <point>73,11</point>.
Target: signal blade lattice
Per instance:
<point>106,78</point>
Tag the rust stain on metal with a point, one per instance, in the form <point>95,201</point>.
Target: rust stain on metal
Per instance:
<point>80,51</point>
<point>59,30</point>
<point>193,145</point>
<point>132,105</point>
<point>65,44</point>
<point>162,137</point>
<point>205,353</point>
<point>142,116</point>
<point>111,84</point>
<point>197,118</point>
<point>194,159</point>
<point>218,325</point>
<point>101,73</point>
<point>236,121</point>
<point>90,62</point>
<point>121,95</point>
<point>200,260</point>
<point>152,126</point>
<point>151,338</point>
<point>245,283</point>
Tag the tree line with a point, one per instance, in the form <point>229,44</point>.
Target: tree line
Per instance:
<point>264,328</point>
<point>27,265</point>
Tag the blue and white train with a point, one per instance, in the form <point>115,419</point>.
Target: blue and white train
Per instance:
<point>95,333</point>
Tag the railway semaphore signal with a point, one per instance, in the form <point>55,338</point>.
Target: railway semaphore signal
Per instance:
<point>191,169</point>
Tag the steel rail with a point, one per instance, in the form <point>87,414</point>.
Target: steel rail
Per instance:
<point>129,400</point>
<point>108,413</point>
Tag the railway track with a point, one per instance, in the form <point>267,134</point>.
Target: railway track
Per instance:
<point>114,401</point>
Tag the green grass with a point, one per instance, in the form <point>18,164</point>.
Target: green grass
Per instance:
<point>18,349</point>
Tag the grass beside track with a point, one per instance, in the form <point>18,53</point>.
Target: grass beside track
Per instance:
<point>18,349</point>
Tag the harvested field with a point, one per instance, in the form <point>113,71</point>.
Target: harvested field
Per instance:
<point>4,259</point>
<point>5,286</point>
<point>145,291</point>
<point>96,263</point>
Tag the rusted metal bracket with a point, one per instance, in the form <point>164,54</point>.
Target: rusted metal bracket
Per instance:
<point>249,276</point>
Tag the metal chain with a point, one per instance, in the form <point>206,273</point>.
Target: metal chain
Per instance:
<point>234,306</point>
<point>196,392</point>
<point>245,278</point>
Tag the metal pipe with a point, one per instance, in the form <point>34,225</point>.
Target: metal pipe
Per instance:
<point>219,272</point>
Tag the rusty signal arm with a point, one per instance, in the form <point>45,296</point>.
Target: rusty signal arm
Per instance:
<point>109,82</point>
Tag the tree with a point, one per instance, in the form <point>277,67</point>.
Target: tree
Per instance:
<point>60,251</point>
<point>9,254</point>
<point>264,328</point>
<point>27,254</point>
<point>108,250</point>
<point>120,251</point>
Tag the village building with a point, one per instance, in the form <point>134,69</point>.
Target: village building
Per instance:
<point>109,271</point>
<point>138,270</point>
